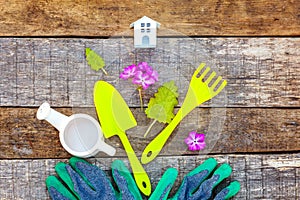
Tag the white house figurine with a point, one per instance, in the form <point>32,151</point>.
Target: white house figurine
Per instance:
<point>145,31</point>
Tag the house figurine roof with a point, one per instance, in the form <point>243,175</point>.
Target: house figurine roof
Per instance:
<point>145,18</point>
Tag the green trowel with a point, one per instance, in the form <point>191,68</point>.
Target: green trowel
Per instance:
<point>115,118</point>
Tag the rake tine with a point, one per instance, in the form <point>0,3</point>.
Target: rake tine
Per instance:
<point>197,71</point>
<point>224,83</point>
<point>216,82</point>
<point>204,73</point>
<point>211,76</point>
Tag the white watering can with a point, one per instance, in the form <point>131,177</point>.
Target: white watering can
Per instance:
<point>79,134</point>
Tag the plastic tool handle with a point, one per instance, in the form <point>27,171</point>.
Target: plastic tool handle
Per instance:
<point>141,178</point>
<point>156,145</point>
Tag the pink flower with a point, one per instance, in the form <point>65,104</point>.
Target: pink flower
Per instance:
<point>128,72</point>
<point>195,141</point>
<point>154,75</point>
<point>142,75</point>
<point>143,80</point>
<point>143,66</point>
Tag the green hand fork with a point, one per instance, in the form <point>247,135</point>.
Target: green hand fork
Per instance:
<point>199,91</point>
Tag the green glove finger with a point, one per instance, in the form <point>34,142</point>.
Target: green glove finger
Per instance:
<point>90,181</point>
<point>223,172</point>
<point>73,162</point>
<point>205,190</point>
<point>193,179</point>
<point>85,180</point>
<point>62,172</point>
<point>68,188</point>
<point>209,165</point>
<point>125,182</point>
<point>164,185</point>
<point>229,191</point>
<point>57,190</point>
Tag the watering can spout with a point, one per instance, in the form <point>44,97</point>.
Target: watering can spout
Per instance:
<point>56,119</point>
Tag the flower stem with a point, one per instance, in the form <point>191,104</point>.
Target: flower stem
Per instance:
<point>141,98</point>
<point>104,71</point>
<point>149,128</point>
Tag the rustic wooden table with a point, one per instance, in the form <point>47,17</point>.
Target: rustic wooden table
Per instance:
<point>254,125</point>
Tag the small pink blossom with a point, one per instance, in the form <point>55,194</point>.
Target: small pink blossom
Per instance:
<point>195,141</point>
<point>142,75</point>
<point>154,75</point>
<point>143,80</point>
<point>128,72</point>
<point>144,67</point>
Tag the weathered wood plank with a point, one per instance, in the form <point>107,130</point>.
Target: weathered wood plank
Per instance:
<point>227,131</point>
<point>106,18</point>
<point>261,176</point>
<point>261,72</point>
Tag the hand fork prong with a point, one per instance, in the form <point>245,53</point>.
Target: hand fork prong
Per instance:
<point>204,73</point>
<point>197,71</point>
<point>216,83</point>
<point>224,83</point>
<point>211,76</point>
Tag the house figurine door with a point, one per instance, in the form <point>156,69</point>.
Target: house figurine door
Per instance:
<point>145,41</point>
<point>145,32</point>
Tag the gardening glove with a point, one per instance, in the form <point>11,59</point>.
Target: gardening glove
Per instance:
<point>198,184</point>
<point>194,185</point>
<point>82,180</point>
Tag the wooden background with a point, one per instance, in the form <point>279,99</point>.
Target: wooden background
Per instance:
<point>254,125</point>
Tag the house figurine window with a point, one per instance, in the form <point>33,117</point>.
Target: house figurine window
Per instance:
<point>145,32</point>
<point>142,27</point>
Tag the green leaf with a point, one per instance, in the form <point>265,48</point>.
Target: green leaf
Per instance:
<point>95,61</point>
<point>161,106</point>
<point>158,112</point>
<point>172,88</point>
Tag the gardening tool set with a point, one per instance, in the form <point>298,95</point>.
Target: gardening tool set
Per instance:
<point>82,136</point>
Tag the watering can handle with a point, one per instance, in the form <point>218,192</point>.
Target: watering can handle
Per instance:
<point>141,178</point>
<point>106,148</point>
